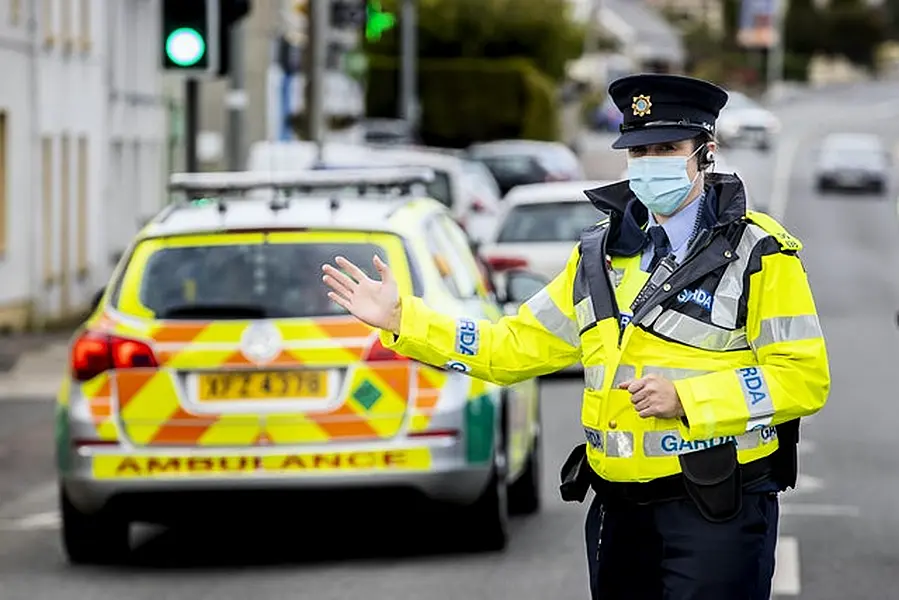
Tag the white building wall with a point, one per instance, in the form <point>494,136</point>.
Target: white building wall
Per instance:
<point>81,78</point>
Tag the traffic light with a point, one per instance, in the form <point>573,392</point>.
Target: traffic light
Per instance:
<point>230,12</point>
<point>376,20</point>
<point>190,36</point>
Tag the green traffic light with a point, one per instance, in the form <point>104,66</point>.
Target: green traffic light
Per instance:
<point>377,21</point>
<point>185,47</point>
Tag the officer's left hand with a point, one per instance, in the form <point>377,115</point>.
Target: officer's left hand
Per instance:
<point>654,396</point>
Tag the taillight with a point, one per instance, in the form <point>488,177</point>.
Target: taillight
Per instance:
<point>505,263</point>
<point>478,206</point>
<point>378,353</point>
<point>93,353</point>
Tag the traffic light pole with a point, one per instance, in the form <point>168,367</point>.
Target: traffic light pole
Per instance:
<point>236,99</point>
<point>408,108</point>
<point>191,125</point>
<point>317,48</point>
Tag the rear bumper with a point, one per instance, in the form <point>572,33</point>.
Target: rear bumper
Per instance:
<point>134,480</point>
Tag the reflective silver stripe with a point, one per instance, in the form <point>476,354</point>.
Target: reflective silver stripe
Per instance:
<point>787,329</point>
<point>693,332</point>
<point>594,376</point>
<point>553,319</point>
<point>624,373</point>
<point>651,316</point>
<point>673,374</point>
<point>619,444</point>
<point>585,314</point>
<point>757,396</point>
<point>671,443</point>
<point>730,288</point>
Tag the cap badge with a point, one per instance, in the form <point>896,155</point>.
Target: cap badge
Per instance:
<point>642,106</point>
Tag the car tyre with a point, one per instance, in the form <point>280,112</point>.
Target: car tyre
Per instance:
<point>823,187</point>
<point>879,187</point>
<point>92,539</point>
<point>763,145</point>
<point>487,520</point>
<point>524,493</point>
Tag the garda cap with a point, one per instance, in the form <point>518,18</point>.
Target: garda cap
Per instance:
<point>660,108</point>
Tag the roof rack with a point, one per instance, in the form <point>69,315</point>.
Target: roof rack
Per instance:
<point>376,178</point>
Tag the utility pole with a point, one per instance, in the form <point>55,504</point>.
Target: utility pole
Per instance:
<point>191,124</point>
<point>317,50</point>
<point>776,52</point>
<point>408,97</point>
<point>236,99</point>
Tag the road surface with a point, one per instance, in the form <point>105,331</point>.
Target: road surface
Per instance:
<point>839,533</point>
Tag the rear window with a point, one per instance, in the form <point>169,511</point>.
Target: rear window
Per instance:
<point>253,280</point>
<point>439,189</point>
<point>548,222</point>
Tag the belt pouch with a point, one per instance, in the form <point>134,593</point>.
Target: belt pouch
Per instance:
<point>576,475</point>
<point>713,480</point>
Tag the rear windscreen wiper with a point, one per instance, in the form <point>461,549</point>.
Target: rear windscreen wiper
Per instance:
<point>214,311</point>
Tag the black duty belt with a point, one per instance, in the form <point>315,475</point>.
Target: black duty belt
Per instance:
<point>671,487</point>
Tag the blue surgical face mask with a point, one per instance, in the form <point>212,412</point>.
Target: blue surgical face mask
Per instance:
<point>661,183</point>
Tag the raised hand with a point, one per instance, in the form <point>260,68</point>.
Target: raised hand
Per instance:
<point>374,302</point>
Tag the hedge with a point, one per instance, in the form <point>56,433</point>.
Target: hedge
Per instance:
<point>470,100</point>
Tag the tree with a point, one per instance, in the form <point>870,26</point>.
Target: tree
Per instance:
<point>854,30</point>
<point>544,33</point>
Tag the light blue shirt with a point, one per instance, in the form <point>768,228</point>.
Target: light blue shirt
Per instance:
<point>678,228</point>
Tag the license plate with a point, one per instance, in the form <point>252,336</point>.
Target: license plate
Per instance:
<point>262,385</point>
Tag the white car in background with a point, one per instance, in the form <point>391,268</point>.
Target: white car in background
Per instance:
<point>539,226</point>
<point>458,185</point>
<point>743,121</point>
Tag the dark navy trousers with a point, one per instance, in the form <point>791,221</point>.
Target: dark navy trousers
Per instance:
<point>668,551</point>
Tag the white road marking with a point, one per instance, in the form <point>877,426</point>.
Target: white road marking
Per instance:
<point>803,509</point>
<point>787,581</point>
<point>40,521</point>
<point>806,484</point>
<point>39,498</point>
<point>783,169</point>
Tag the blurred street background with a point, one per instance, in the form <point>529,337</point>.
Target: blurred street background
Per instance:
<point>94,116</point>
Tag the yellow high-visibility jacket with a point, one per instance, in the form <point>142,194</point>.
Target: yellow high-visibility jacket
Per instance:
<point>734,327</point>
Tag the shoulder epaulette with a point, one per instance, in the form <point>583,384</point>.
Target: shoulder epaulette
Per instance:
<point>775,229</point>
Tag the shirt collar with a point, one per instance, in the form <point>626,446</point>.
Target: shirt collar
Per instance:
<point>679,228</point>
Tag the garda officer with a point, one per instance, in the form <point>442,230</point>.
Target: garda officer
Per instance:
<point>701,348</point>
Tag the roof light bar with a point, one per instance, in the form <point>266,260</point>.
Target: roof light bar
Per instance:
<point>300,180</point>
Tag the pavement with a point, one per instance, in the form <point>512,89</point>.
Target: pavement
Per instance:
<point>839,535</point>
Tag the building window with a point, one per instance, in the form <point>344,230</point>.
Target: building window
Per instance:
<point>48,21</point>
<point>86,29</point>
<point>65,221</point>
<point>4,181</point>
<point>81,254</point>
<point>47,208</point>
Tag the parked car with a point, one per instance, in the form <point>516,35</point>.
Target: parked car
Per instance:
<point>215,377</point>
<point>521,162</point>
<point>473,207</point>
<point>540,225</point>
<point>743,121</point>
<point>853,161</point>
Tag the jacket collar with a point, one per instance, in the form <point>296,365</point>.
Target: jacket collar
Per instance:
<point>724,202</point>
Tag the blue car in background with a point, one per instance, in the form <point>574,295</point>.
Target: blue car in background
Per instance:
<point>607,117</point>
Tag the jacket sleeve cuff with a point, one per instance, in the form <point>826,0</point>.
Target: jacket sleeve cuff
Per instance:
<point>700,412</point>
<point>413,326</point>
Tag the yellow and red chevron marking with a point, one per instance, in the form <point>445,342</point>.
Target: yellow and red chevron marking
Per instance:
<point>322,342</point>
<point>152,414</point>
<point>97,394</point>
<point>378,414</point>
<point>429,383</point>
